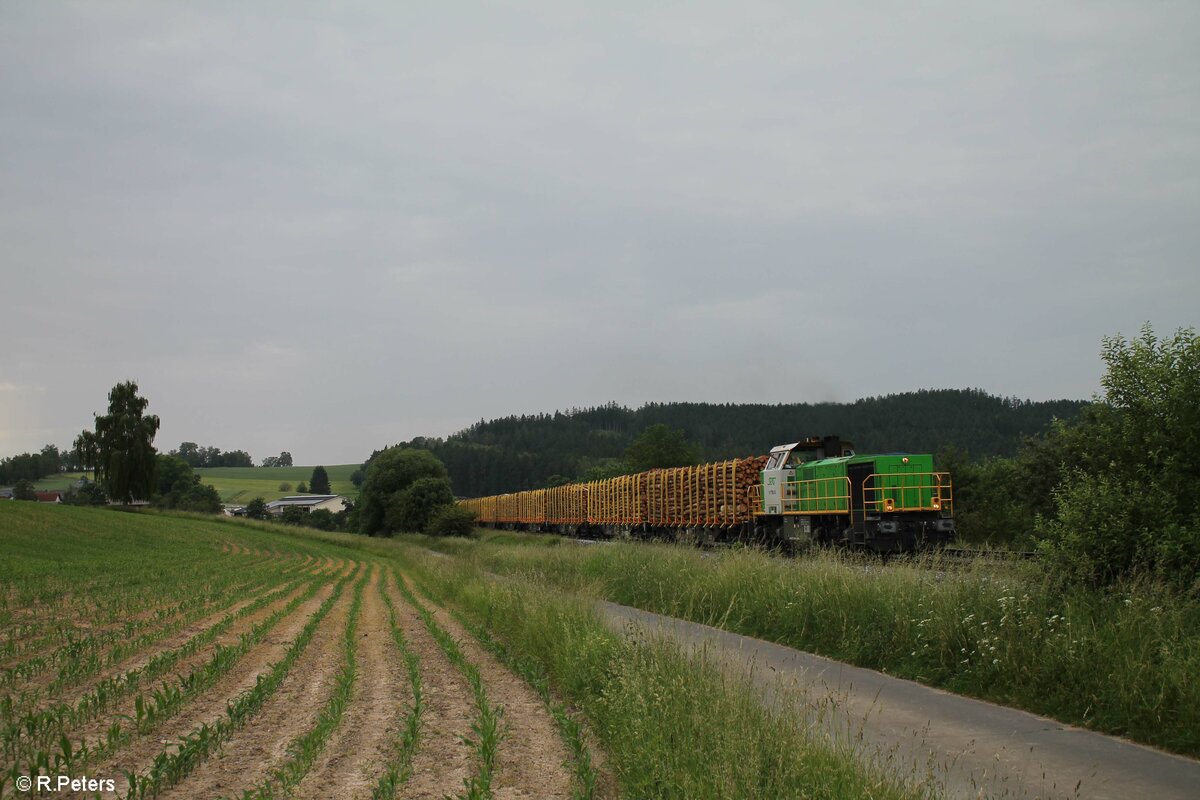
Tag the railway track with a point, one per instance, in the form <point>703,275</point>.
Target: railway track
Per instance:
<point>970,554</point>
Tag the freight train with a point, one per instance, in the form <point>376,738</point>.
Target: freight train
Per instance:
<point>816,491</point>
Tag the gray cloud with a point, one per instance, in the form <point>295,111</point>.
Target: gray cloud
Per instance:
<point>324,230</point>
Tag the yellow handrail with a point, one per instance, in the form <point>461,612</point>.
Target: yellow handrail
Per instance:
<point>904,495</point>
<point>807,498</point>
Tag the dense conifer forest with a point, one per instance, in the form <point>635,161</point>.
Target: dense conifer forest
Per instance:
<point>524,452</point>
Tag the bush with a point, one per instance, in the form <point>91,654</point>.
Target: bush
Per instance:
<point>322,519</point>
<point>285,487</point>
<point>451,520</point>
<point>257,509</point>
<point>23,490</point>
<point>1129,502</point>
<point>90,494</point>
<point>1094,537</point>
<point>191,496</point>
<point>294,515</point>
<point>411,509</point>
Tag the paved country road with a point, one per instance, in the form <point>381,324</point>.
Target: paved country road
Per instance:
<point>965,747</point>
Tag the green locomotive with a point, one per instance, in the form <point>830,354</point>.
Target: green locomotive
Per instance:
<point>819,490</point>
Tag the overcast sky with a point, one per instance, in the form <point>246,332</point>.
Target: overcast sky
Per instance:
<point>324,231</point>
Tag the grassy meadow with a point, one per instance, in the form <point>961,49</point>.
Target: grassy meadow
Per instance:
<point>243,484</point>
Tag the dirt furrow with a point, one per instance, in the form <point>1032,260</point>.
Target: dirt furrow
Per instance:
<point>532,760</point>
<point>249,755</point>
<point>442,762</point>
<point>48,675</point>
<point>359,750</point>
<point>230,637</point>
<point>178,639</point>
<point>210,704</point>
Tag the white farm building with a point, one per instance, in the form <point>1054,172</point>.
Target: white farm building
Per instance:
<point>309,502</point>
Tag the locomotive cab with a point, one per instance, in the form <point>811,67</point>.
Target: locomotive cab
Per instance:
<point>785,459</point>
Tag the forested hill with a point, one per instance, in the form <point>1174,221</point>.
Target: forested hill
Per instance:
<point>516,453</point>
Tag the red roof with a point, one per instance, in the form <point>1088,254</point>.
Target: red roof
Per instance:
<point>48,497</point>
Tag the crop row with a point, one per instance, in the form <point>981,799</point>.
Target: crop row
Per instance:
<point>150,709</point>
<point>171,766</point>
<point>486,727</point>
<point>304,749</point>
<point>36,728</point>
<point>571,727</point>
<point>399,767</point>
<point>78,658</point>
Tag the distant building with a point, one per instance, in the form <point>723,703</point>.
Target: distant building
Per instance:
<point>49,497</point>
<point>309,502</point>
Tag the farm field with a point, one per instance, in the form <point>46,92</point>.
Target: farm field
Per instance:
<point>186,657</point>
<point>243,484</point>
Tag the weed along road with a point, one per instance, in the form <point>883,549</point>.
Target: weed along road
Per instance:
<point>965,747</point>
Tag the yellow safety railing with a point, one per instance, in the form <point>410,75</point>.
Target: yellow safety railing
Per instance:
<point>911,491</point>
<point>805,498</point>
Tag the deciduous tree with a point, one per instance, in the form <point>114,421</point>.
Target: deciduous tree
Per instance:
<point>125,438</point>
<point>391,472</point>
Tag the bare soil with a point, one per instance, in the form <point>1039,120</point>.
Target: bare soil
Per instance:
<point>532,761</point>
<point>443,762</point>
<point>178,639</point>
<point>248,756</point>
<point>358,752</point>
<point>210,705</point>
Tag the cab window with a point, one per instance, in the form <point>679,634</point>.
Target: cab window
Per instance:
<point>797,458</point>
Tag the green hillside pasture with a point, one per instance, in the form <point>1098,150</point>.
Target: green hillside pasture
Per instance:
<point>243,484</point>
<point>61,481</point>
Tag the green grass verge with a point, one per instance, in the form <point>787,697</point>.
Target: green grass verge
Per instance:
<point>672,727</point>
<point>1124,661</point>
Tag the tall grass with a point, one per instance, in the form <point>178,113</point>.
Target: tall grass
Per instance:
<point>672,727</point>
<point>1124,661</point>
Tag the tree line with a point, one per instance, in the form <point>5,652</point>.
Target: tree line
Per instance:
<point>35,466</point>
<point>51,460</point>
<point>531,451</point>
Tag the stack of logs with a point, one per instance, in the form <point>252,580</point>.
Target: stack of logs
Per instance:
<point>704,496</point>
<point>709,495</point>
